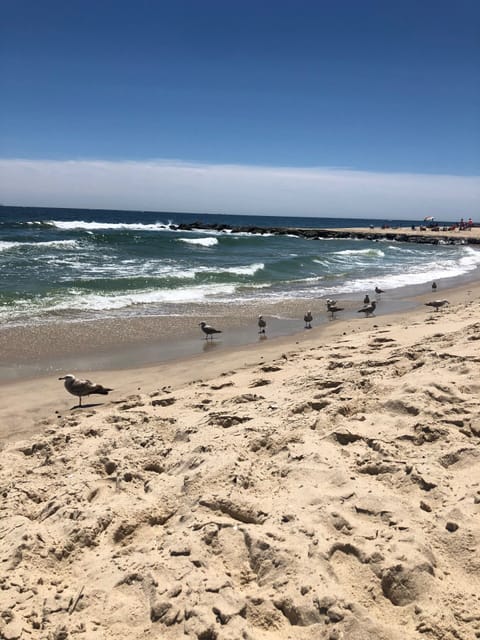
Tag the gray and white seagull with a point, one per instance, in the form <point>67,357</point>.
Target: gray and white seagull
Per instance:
<point>437,304</point>
<point>81,388</point>
<point>368,309</point>
<point>333,308</point>
<point>208,330</point>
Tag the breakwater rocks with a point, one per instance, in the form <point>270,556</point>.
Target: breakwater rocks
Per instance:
<point>422,237</point>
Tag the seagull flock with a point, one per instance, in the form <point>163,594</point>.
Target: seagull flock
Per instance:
<point>82,388</point>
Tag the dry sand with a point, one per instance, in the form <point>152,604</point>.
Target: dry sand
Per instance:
<point>321,486</point>
<point>458,235</point>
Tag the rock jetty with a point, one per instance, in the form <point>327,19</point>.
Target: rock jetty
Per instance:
<point>403,235</point>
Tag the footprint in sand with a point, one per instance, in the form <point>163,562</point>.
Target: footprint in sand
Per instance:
<point>222,385</point>
<point>259,383</point>
<point>268,368</point>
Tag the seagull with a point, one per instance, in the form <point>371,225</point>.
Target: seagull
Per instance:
<point>333,309</point>
<point>378,291</point>
<point>262,323</point>
<point>308,319</point>
<point>208,330</point>
<point>81,388</point>
<point>368,309</point>
<point>437,304</point>
<point>434,286</point>
<point>366,299</point>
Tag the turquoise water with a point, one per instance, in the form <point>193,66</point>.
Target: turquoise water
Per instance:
<point>83,264</point>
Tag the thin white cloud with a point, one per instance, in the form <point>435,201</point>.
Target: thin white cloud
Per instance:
<point>176,186</point>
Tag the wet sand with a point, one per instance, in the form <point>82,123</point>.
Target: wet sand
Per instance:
<point>113,343</point>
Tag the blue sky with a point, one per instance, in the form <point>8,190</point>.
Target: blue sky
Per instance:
<point>375,88</point>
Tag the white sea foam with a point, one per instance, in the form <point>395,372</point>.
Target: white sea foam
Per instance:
<point>419,275</point>
<point>81,269</point>
<point>55,243</point>
<point>76,300</point>
<point>182,294</point>
<point>361,252</point>
<point>471,258</point>
<point>68,225</point>
<point>400,248</point>
<point>247,234</point>
<point>5,245</point>
<point>202,242</point>
<point>248,270</point>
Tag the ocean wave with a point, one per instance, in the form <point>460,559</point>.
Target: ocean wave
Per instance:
<point>361,252</point>
<point>54,243</point>
<point>471,258</point>
<point>202,242</point>
<point>5,245</point>
<point>193,272</point>
<point>416,276</point>
<point>80,270</point>
<point>76,300</point>
<point>120,226</point>
<point>248,234</point>
<point>69,225</point>
<point>248,270</point>
<point>400,249</point>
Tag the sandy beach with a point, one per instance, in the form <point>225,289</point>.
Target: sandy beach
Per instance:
<point>426,231</point>
<point>324,485</point>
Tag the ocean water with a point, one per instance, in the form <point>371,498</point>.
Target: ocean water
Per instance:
<point>61,264</point>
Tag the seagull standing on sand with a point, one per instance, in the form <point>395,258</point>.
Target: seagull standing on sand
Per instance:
<point>378,291</point>
<point>308,319</point>
<point>368,309</point>
<point>81,388</point>
<point>262,324</point>
<point>208,330</point>
<point>366,299</point>
<point>332,308</point>
<point>437,304</point>
<point>434,286</point>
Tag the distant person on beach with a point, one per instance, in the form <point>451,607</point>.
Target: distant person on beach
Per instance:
<point>461,224</point>
<point>470,224</point>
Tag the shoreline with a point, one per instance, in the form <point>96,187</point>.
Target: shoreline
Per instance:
<point>35,350</point>
<point>27,407</point>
